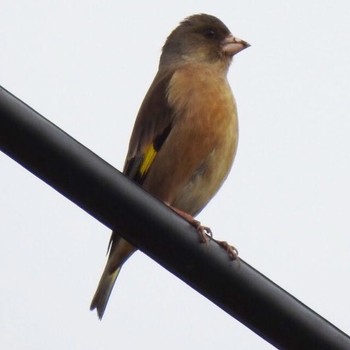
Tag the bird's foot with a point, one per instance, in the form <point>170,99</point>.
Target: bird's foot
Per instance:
<point>204,232</point>
<point>230,249</point>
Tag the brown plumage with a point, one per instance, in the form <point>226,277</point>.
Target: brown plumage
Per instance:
<point>185,136</point>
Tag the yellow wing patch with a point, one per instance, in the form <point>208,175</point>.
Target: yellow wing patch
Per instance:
<point>148,159</point>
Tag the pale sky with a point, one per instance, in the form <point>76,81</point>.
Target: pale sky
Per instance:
<point>86,66</point>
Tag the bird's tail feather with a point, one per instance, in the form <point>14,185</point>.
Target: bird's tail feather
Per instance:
<point>119,251</point>
<point>104,290</point>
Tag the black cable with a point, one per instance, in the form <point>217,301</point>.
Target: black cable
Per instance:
<point>106,194</point>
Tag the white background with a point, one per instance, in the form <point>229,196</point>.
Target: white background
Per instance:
<point>86,66</point>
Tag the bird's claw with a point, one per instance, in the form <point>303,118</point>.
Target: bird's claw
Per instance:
<point>205,233</point>
<point>230,249</point>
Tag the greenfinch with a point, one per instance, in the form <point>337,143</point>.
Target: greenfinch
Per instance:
<point>185,136</point>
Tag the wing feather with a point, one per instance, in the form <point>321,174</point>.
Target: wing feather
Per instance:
<point>152,127</point>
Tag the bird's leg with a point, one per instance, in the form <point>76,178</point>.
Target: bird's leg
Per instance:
<point>203,231</point>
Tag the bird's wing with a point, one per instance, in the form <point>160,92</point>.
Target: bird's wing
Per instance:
<point>152,127</point>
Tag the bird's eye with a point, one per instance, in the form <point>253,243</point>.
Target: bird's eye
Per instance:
<point>210,33</point>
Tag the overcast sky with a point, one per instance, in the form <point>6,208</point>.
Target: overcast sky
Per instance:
<point>86,66</point>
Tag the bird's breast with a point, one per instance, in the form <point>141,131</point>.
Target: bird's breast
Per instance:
<point>205,110</point>
<point>198,153</point>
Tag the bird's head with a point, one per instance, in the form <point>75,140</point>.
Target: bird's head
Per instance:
<point>201,38</point>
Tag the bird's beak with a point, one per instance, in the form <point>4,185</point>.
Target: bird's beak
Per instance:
<point>232,45</point>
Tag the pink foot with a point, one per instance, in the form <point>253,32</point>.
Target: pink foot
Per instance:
<point>231,250</point>
<point>204,232</point>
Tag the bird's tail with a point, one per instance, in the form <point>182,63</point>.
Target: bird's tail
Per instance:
<point>104,289</point>
<point>120,251</point>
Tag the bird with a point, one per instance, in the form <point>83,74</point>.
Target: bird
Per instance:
<point>185,135</point>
